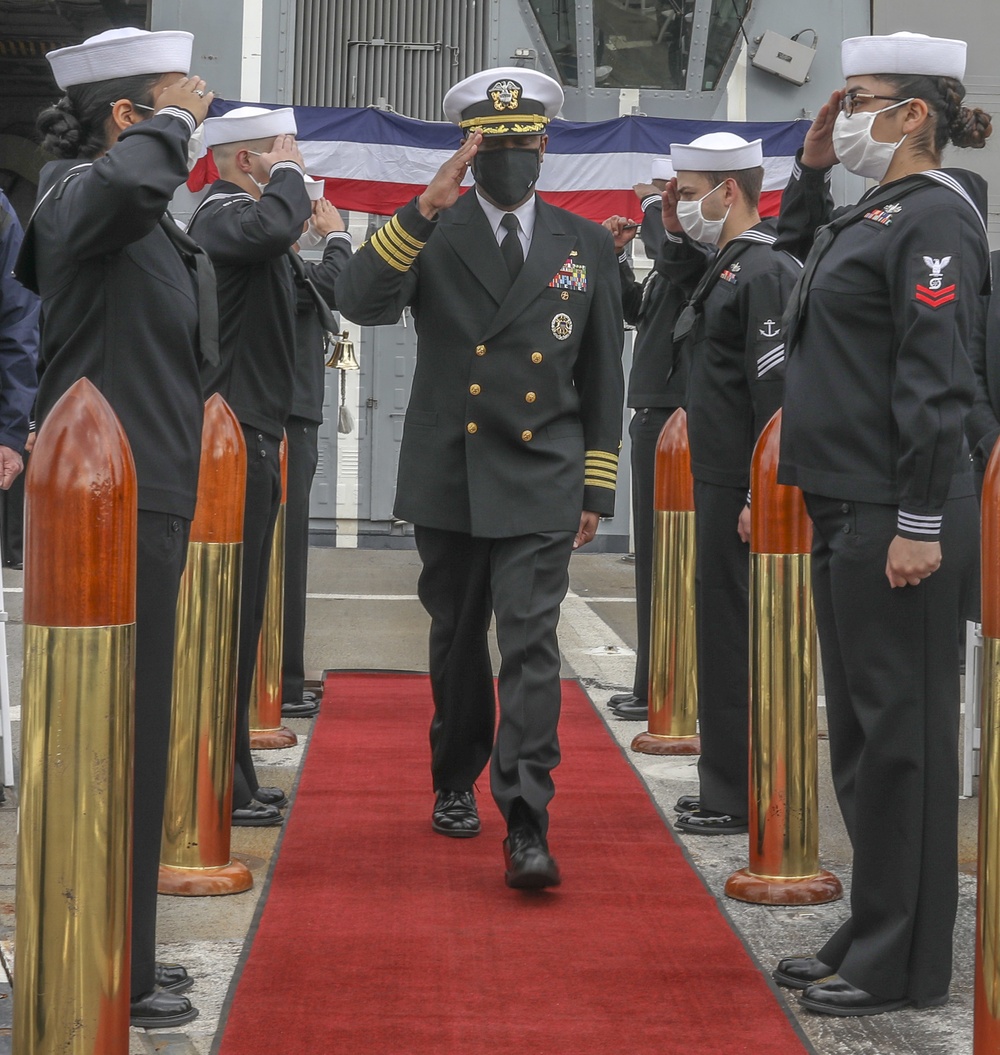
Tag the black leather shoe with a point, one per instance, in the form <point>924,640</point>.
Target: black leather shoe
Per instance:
<point>687,804</point>
<point>638,711</point>
<point>271,797</point>
<point>300,708</point>
<point>161,1009</point>
<point>455,814</point>
<point>840,998</point>
<point>800,972</point>
<point>172,977</point>
<point>256,815</point>
<point>529,865</point>
<point>710,822</point>
<point>622,697</point>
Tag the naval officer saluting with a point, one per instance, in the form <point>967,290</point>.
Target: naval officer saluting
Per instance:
<point>510,444</point>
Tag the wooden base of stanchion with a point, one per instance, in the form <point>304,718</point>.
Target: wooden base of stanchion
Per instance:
<point>773,890</point>
<point>654,744</point>
<point>233,878</point>
<point>272,739</point>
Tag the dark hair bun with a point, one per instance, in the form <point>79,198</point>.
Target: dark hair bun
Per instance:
<point>970,128</point>
<point>60,129</point>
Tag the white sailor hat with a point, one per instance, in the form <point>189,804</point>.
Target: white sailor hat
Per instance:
<point>910,53</point>
<point>662,169</point>
<point>121,53</point>
<point>506,101</point>
<point>314,188</point>
<point>716,152</point>
<point>247,123</point>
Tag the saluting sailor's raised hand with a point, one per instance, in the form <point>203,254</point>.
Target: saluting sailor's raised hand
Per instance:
<point>817,150</point>
<point>443,190</point>
<point>189,93</point>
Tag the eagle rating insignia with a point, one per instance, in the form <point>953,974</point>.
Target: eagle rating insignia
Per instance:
<point>505,95</point>
<point>936,294</point>
<point>562,326</point>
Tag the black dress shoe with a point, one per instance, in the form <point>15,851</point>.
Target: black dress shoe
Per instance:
<point>256,815</point>
<point>710,822</point>
<point>271,797</point>
<point>840,998</point>
<point>688,804</point>
<point>455,814</point>
<point>300,708</point>
<point>622,697</point>
<point>800,972</point>
<point>161,1009</point>
<point>172,977</point>
<point>638,711</point>
<point>529,865</point>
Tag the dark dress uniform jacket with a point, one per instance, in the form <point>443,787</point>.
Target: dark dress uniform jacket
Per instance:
<point>737,354</point>
<point>899,289</point>
<point>514,420</point>
<point>247,240</point>
<point>982,426</point>
<point>94,250</point>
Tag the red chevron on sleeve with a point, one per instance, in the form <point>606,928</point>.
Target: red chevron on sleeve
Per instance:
<point>936,298</point>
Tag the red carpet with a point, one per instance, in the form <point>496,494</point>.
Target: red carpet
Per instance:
<point>380,937</point>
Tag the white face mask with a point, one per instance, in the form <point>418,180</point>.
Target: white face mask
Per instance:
<point>310,237</point>
<point>697,226</point>
<point>855,148</point>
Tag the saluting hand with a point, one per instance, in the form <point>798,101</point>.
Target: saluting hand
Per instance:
<point>189,93</point>
<point>910,562</point>
<point>443,190</point>
<point>326,217</point>
<point>645,190</point>
<point>284,148</point>
<point>616,225</point>
<point>817,150</point>
<point>670,199</point>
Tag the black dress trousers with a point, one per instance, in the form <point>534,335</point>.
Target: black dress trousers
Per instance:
<point>722,583</point>
<point>303,457</point>
<point>522,580</point>
<point>259,514</point>
<point>12,519</point>
<point>890,669</point>
<point>644,430</point>
<point>160,555</point>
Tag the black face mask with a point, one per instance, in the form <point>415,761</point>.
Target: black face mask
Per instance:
<point>507,175</point>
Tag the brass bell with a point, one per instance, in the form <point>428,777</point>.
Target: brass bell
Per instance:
<point>342,357</point>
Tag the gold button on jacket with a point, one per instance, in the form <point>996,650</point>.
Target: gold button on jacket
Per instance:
<point>536,357</point>
<point>530,397</point>
<point>480,349</point>
<point>474,390</point>
<point>526,435</point>
<point>472,427</point>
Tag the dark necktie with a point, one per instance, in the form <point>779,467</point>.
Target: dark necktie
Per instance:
<point>510,247</point>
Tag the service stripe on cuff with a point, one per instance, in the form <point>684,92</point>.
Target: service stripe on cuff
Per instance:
<point>919,523</point>
<point>184,115</point>
<point>286,165</point>
<point>404,236</point>
<point>671,237</point>
<point>394,245</point>
<point>646,202</point>
<point>590,482</point>
<point>385,252</point>
<point>623,257</point>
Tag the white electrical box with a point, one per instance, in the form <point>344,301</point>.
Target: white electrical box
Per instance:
<point>786,58</point>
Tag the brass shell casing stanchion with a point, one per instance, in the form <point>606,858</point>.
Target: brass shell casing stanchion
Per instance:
<point>266,731</point>
<point>74,853</point>
<point>986,1022</point>
<point>784,783</point>
<point>673,669</point>
<point>195,855</point>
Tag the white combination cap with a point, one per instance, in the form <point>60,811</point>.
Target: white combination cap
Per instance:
<point>121,53</point>
<point>716,152</point>
<point>662,169</point>
<point>247,123</point>
<point>314,187</point>
<point>909,53</point>
<point>506,101</point>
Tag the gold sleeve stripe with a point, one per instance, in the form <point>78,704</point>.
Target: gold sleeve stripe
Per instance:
<point>602,456</point>
<point>600,474</point>
<point>404,235</point>
<point>588,482</point>
<point>399,247</point>
<point>387,255</point>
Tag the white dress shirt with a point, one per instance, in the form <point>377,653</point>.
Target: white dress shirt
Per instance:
<point>525,220</point>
